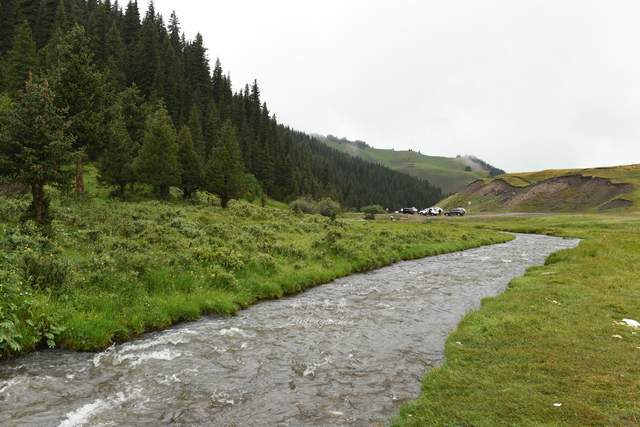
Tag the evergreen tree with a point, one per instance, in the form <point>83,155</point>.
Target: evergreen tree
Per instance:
<point>158,162</point>
<point>198,72</point>
<point>22,58</point>
<point>46,20</point>
<point>225,171</point>
<point>81,92</point>
<point>195,126</point>
<point>131,24</point>
<point>190,162</point>
<point>97,29</point>
<point>210,130</point>
<point>145,63</point>
<point>115,57</point>
<point>28,10</point>
<point>7,24</point>
<point>37,145</point>
<point>135,113</point>
<point>61,21</point>
<point>116,163</point>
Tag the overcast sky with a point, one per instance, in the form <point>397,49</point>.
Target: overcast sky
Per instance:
<point>525,85</point>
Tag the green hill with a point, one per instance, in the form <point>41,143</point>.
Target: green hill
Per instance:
<point>451,174</point>
<point>555,190</point>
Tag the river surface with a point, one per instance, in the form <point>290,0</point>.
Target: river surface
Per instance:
<point>345,353</point>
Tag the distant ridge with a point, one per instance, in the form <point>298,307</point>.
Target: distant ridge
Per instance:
<point>451,174</point>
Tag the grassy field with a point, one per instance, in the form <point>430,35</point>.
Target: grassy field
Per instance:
<point>551,350</point>
<point>107,270</point>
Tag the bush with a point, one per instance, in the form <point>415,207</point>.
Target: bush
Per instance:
<point>329,208</point>
<point>221,279</point>
<point>371,211</point>
<point>325,207</point>
<point>44,272</point>
<point>304,205</point>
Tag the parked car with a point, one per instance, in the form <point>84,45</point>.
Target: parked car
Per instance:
<point>410,211</point>
<point>434,211</point>
<point>456,212</point>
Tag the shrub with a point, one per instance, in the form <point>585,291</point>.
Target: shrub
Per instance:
<point>329,208</point>
<point>44,272</point>
<point>221,279</point>
<point>371,211</point>
<point>304,205</point>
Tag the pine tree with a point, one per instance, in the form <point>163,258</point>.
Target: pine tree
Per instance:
<point>198,72</point>
<point>190,163</point>
<point>134,110</point>
<point>225,172</point>
<point>28,10</point>
<point>145,62</point>
<point>131,24</point>
<point>22,58</point>
<point>210,130</point>
<point>7,24</point>
<point>195,126</point>
<point>45,21</point>
<point>116,163</point>
<point>97,29</point>
<point>61,21</point>
<point>37,145</point>
<point>115,61</point>
<point>81,92</point>
<point>158,161</point>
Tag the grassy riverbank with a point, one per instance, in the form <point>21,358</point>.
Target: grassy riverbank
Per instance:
<point>551,349</point>
<point>107,271</point>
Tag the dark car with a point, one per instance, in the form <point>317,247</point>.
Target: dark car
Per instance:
<point>410,211</point>
<point>456,212</point>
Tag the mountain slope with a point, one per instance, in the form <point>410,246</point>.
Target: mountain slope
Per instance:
<point>557,190</point>
<point>451,174</point>
<point>142,66</point>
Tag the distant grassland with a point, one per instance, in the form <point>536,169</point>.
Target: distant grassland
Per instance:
<point>551,349</point>
<point>107,271</point>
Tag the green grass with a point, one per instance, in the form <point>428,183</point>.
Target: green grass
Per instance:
<point>551,338</point>
<point>106,270</point>
<point>447,173</point>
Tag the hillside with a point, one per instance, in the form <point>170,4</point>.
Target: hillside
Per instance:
<point>451,174</point>
<point>110,68</point>
<point>557,190</point>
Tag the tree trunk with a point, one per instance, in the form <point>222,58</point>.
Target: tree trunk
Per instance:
<point>39,203</point>
<point>79,176</point>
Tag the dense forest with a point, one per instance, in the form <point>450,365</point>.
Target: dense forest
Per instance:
<point>122,88</point>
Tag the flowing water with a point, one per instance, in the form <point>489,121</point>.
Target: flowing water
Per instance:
<point>346,353</point>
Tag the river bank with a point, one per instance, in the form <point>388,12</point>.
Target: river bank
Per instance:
<point>345,353</point>
<point>552,349</point>
<point>107,271</point>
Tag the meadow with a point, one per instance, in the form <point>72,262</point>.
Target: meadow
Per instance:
<point>552,349</point>
<point>107,270</point>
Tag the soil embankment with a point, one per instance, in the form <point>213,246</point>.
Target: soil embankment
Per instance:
<point>569,193</point>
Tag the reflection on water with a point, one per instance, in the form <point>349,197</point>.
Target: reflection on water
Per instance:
<point>345,353</point>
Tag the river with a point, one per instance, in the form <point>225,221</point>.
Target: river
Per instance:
<point>345,353</point>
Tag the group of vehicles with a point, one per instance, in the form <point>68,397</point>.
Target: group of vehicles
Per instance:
<point>434,211</point>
